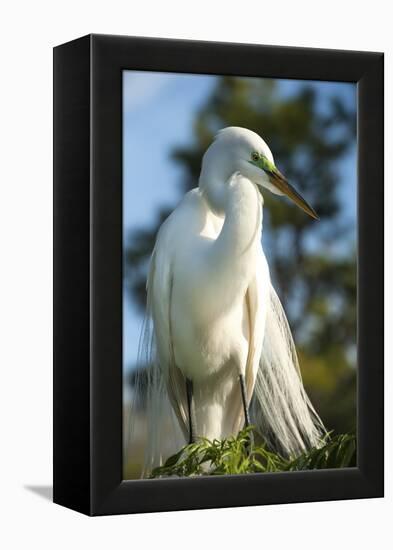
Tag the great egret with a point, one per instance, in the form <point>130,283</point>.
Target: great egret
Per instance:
<point>216,337</point>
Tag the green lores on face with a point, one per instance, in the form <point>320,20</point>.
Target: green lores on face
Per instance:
<point>263,163</point>
<point>278,181</point>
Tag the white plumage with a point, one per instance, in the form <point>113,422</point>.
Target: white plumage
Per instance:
<point>213,315</point>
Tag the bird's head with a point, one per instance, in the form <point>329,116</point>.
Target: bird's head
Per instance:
<point>241,150</point>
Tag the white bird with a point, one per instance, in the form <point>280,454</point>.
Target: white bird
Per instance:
<point>216,337</point>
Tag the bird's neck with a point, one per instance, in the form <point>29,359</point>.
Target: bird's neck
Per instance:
<point>230,264</point>
<point>241,232</point>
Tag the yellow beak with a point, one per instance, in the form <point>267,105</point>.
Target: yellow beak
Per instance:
<point>279,181</point>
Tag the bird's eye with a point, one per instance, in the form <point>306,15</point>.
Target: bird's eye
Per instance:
<point>255,156</point>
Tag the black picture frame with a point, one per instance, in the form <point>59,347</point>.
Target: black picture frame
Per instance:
<point>88,274</point>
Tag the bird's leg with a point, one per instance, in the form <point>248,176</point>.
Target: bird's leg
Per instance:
<point>244,400</point>
<point>245,409</point>
<point>191,410</point>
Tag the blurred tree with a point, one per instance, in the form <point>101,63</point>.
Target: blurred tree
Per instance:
<point>313,264</point>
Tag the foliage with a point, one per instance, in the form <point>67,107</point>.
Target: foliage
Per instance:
<point>239,455</point>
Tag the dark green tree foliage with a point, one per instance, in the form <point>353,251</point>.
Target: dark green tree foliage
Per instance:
<point>312,264</point>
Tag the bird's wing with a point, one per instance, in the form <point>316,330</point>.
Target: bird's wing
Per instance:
<point>254,311</point>
<point>252,307</point>
<point>159,297</point>
<point>255,306</point>
<point>166,387</point>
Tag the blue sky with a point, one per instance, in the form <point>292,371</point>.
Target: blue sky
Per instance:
<point>158,113</point>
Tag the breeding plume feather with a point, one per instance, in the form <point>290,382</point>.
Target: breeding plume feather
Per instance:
<point>216,338</point>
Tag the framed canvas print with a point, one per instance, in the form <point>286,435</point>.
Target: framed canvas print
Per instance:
<point>218,275</point>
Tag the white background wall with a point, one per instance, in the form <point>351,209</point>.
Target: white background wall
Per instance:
<point>28,31</point>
